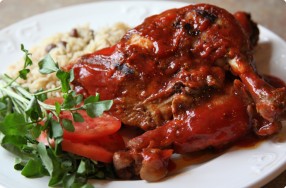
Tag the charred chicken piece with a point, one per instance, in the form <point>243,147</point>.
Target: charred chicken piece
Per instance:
<point>187,77</point>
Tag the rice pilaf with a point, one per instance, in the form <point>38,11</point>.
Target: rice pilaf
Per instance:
<point>64,48</point>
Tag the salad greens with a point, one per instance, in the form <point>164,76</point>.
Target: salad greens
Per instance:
<point>24,116</point>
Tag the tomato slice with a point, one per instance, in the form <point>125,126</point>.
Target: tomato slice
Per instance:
<point>95,138</point>
<point>90,151</point>
<point>91,128</point>
<point>112,142</point>
<point>101,149</point>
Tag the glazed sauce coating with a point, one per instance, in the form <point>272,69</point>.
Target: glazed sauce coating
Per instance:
<point>187,78</point>
<point>168,54</point>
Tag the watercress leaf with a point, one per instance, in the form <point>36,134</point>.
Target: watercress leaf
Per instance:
<point>96,109</point>
<point>58,108</point>
<point>100,175</point>
<point>87,186</point>
<point>64,77</point>
<point>43,96</point>
<point>23,73</point>
<point>23,48</point>
<point>34,168</point>
<point>3,106</point>
<point>19,163</point>
<point>92,99</point>
<point>4,111</point>
<point>71,75</point>
<point>68,180</point>
<point>14,144</point>
<point>69,100</point>
<point>68,125</point>
<point>46,160</point>
<point>29,149</point>
<point>48,124</point>
<point>48,65</point>
<point>33,109</point>
<point>78,99</point>
<point>58,146</point>
<point>77,117</point>
<point>36,131</point>
<point>58,171</point>
<point>57,130</point>
<point>15,124</point>
<point>81,167</point>
<point>82,185</point>
<point>28,60</point>
<point>67,165</point>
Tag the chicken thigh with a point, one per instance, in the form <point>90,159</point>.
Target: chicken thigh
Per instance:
<point>187,78</point>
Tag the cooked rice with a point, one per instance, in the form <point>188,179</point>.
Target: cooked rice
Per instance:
<point>64,48</point>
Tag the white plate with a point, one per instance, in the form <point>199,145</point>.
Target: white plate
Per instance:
<point>252,167</point>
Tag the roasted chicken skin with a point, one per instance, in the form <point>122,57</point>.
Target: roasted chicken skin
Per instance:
<point>186,77</point>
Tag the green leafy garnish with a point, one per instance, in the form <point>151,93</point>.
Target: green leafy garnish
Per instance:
<point>97,108</point>
<point>34,110</point>
<point>67,124</point>
<point>48,65</point>
<point>24,117</point>
<point>23,73</point>
<point>34,168</point>
<point>77,117</point>
<point>14,124</point>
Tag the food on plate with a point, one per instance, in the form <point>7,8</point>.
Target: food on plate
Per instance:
<point>186,77</point>
<point>52,130</point>
<point>64,48</point>
<point>182,81</point>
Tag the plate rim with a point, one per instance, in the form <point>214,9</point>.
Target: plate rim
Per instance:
<point>261,182</point>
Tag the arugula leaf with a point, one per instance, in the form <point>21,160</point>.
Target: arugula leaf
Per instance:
<point>48,65</point>
<point>96,109</point>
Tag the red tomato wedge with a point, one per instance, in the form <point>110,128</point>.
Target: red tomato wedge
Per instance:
<point>91,128</point>
<point>100,149</point>
<point>95,138</point>
<point>112,142</point>
<point>93,152</point>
